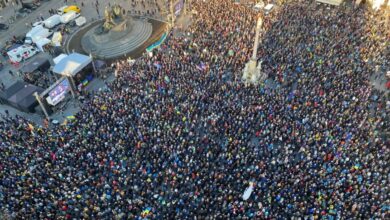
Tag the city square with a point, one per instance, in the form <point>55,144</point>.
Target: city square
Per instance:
<point>194,109</point>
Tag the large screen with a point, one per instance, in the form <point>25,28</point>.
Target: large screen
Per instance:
<point>58,93</point>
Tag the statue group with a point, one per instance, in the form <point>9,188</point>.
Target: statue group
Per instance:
<point>112,17</point>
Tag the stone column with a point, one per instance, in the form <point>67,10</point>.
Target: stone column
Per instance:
<point>252,71</point>
<point>93,63</point>
<point>258,29</point>
<point>72,84</point>
<point>172,14</point>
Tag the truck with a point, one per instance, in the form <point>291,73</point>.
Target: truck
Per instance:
<point>37,33</point>
<point>23,52</point>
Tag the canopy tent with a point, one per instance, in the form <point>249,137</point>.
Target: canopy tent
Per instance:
<point>20,96</point>
<point>41,43</point>
<point>57,59</point>
<point>72,64</point>
<point>39,62</point>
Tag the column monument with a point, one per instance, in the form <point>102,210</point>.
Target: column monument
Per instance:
<point>252,72</point>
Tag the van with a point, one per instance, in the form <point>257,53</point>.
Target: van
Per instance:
<point>22,52</point>
<point>36,34</point>
<point>72,8</point>
<point>69,16</point>
<point>52,21</point>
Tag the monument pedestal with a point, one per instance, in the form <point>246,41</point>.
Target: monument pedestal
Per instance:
<point>252,73</point>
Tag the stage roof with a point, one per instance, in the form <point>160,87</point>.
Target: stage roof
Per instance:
<point>72,64</point>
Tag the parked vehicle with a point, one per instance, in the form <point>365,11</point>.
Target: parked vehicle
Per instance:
<point>21,53</point>
<point>37,33</point>
<point>67,17</point>
<point>65,9</point>
<point>72,8</point>
<point>52,21</point>
<point>60,11</point>
<point>3,27</point>
<point>23,11</point>
<point>80,21</point>
<point>29,5</point>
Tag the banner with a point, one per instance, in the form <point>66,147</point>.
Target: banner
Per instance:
<point>157,43</point>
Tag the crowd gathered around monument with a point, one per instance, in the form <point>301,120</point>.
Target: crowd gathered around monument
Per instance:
<point>178,135</point>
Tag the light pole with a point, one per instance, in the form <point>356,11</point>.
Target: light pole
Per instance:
<point>38,98</point>
<point>252,72</point>
<point>73,87</point>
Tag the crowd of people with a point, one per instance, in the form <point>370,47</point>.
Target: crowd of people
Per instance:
<point>40,79</point>
<point>178,135</point>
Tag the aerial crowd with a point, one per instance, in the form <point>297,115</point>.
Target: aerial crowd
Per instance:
<point>178,135</point>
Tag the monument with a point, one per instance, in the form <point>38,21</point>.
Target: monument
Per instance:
<point>252,71</point>
<point>113,18</point>
<point>117,35</point>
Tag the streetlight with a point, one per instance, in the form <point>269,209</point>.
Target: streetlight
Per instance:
<point>71,82</point>
<point>39,99</point>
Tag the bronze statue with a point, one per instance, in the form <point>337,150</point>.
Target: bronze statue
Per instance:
<point>111,16</point>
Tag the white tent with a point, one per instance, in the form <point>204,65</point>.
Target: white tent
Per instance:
<point>41,43</point>
<point>59,58</point>
<point>72,64</point>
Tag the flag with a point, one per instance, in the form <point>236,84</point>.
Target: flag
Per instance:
<point>166,79</point>
<point>146,212</point>
<point>30,127</point>
<point>65,122</point>
<point>71,117</point>
<point>248,191</point>
<point>201,66</point>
